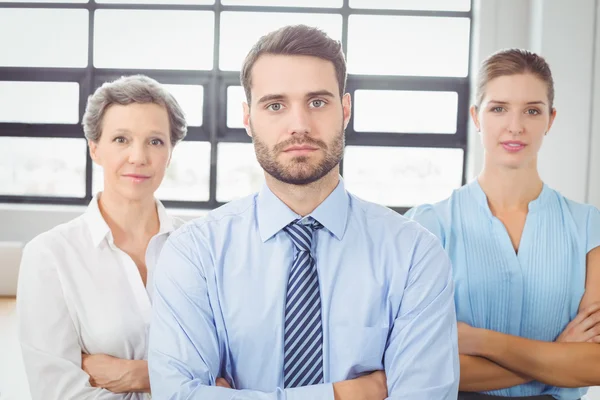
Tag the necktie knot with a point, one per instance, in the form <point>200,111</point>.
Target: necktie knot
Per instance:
<point>301,233</point>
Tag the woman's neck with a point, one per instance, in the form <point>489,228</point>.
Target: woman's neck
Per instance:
<point>510,189</point>
<point>129,220</point>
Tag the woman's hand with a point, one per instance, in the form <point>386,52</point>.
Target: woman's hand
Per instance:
<point>585,327</point>
<point>470,339</point>
<point>115,374</point>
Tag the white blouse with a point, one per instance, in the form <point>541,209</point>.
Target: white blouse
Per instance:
<point>78,292</point>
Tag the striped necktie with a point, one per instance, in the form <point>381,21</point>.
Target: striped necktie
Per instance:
<point>303,336</point>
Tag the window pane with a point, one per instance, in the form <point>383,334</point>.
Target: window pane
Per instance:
<point>44,1</point>
<point>150,39</point>
<point>402,176</point>
<point>441,5</point>
<point>235,45</point>
<point>417,46</point>
<point>186,179</point>
<point>39,102</point>
<point>42,166</point>
<point>194,2</point>
<point>43,38</point>
<point>285,3</point>
<point>235,110</point>
<point>238,172</point>
<point>405,111</point>
<point>191,100</point>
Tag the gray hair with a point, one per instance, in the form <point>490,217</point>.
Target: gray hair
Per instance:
<point>127,90</point>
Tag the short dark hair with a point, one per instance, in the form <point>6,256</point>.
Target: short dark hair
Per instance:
<point>296,40</point>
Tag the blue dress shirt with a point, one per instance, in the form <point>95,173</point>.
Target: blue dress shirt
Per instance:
<point>534,293</point>
<point>220,286</point>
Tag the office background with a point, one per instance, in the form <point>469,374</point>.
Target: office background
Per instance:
<point>412,65</point>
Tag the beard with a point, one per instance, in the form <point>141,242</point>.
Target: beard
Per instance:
<point>300,170</point>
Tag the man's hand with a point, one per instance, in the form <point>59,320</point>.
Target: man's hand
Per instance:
<point>221,382</point>
<point>585,327</point>
<point>367,387</point>
<point>115,374</point>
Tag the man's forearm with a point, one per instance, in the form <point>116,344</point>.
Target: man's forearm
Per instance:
<point>557,364</point>
<point>479,374</point>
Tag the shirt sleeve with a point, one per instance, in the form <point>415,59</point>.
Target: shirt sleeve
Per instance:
<point>185,356</point>
<point>426,216</point>
<point>593,229</point>
<point>421,358</point>
<point>49,341</point>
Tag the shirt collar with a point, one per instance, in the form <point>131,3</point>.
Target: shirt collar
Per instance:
<point>165,221</point>
<point>481,198</point>
<point>100,230</point>
<point>98,227</point>
<point>273,215</point>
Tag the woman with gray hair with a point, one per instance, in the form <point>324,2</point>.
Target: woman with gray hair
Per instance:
<point>84,293</point>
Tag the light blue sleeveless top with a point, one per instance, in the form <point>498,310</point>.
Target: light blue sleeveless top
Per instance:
<point>532,294</point>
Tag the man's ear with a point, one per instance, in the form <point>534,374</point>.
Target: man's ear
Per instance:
<point>347,108</point>
<point>247,124</point>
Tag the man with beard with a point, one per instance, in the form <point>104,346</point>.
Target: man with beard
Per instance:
<point>302,291</point>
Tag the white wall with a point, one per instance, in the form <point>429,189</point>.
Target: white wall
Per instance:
<point>569,48</point>
<point>565,33</point>
<point>22,222</point>
<point>594,178</point>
